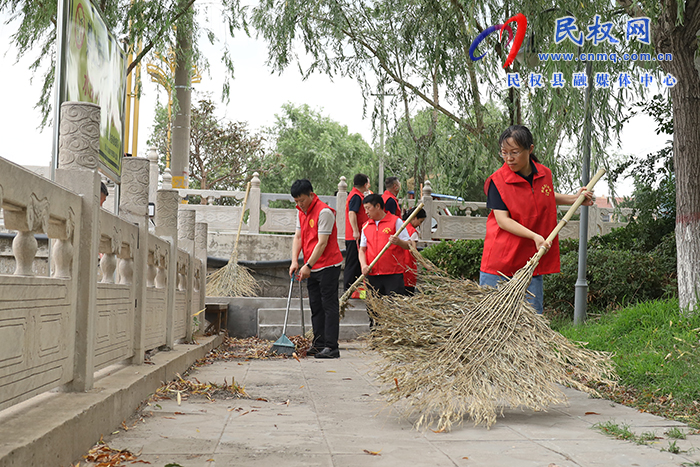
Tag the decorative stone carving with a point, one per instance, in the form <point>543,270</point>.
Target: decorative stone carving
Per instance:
<point>167,180</point>
<point>342,185</point>
<point>38,214</point>
<point>133,205</point>
<point>126,271</point>
<point>108,264</point>
<point>79,135</point>
<point>62,256</point>
<point>116,241</point>
<point>24,247</point>
<point>185,224</point>
<point>166,212</point>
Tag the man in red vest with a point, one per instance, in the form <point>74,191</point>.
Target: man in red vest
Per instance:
<point>386,276</point>
<point>316,237</point>
<point>391,202</point>
<point>355,218</point>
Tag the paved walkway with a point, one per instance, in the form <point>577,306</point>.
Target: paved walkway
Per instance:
<point>329,413</point>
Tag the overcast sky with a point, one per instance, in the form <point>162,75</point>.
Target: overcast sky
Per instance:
<point>256,95</point>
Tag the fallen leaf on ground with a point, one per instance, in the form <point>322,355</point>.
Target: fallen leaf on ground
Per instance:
<point>591,413</point>
<point>373,453</point>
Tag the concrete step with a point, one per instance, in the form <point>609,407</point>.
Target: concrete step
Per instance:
<point>271,320</point>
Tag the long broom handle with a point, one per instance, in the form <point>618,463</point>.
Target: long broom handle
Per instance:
<point>359,280</point>
<point>570,212</point>
<point>240,223</point>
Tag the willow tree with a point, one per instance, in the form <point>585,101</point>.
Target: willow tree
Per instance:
<point>404,41</point>
<point>149,22</point>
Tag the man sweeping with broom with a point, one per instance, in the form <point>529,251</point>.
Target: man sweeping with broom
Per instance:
<point>316,237</point>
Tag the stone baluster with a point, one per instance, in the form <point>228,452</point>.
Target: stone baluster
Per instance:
<point>340,199</point>
<point>167,181</point>
<point>201,232</point>
<point>24,248</point>
<point>167,202</point>
<point>426,230</point>
<point>108,264</point>
<point>152,174</point>
<point>78,155</point>
<point>254,205</point>
<point>151,271</point>
<point>138,187</point>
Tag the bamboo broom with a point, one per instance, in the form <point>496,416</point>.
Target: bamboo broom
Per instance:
<point>356,284</point>
<point>233,280</point>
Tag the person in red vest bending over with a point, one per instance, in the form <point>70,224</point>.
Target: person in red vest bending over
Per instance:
<point>523,213</point>
<point>386,276</point>
<point>355,218</point>
<point>410,273</point>
<point>391,202</point>
<point>316,237</point>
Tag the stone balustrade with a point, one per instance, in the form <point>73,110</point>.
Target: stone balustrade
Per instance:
<point>262,241</point>
<point>114,291</point>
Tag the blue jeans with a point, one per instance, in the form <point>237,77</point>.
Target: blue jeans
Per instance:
<point>536,288</point>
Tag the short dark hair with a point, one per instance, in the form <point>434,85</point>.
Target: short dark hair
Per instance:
<point>301,187</point>
<point>360,180</point>
<point>421,214</point>
<point>103,189</point>
<point>374,199</point>
<point>390,182</point>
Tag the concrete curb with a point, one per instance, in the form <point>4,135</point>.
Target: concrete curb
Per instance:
<point>55,428</point>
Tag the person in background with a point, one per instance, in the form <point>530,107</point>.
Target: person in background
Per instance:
<point>355,218</point>
<point>410,274</point>
<point>316,237</point>
<point>103,193</point>
<point>386,276</point>
<point>391,202</point>
<point>523,213</point>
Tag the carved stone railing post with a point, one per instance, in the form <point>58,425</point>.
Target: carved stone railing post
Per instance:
<point>167,202</point>
<point>186,231</point>
<point>426,230</point>
<point>137,177</point>
<point>152,175</point>
<point>201,232</point>
<point>78,151</point>
<point>340,199</point>
<point>254,205</point>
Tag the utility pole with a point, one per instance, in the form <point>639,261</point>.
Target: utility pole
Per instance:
<point>381,94</point>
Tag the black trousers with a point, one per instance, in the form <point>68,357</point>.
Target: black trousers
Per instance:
<point>352,264</point>
<point>325,310</point>
<point>385,284</point>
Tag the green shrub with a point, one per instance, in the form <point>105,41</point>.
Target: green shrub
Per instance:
<point>615,278</point>
<point>460,258</point>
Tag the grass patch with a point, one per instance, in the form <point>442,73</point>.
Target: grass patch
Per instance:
<point>655,349</point>
<point>675,433</point>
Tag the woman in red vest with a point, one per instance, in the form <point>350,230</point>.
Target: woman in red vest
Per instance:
<point>523,213</point>
<point>410,274</point>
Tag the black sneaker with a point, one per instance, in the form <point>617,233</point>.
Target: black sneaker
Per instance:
<point>327,352</point>
<point>311,351</point>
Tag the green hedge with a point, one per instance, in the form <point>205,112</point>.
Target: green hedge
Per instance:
<point>620,271</point>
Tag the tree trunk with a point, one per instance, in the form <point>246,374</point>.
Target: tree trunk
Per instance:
<point>685,96</point>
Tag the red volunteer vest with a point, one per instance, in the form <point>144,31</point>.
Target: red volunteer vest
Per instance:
<point>533,207</point>
<point>389,195</point>
<point>378,235</point>
<point>361,214</point>
<point>309,236</point>
<point>409,275</point>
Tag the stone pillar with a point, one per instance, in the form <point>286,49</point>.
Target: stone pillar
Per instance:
<point>201,233</point>
<point>340,199</point>
<point>254,205</point>
<point>78,150</point>
<point>167,202</point>
<point>133,207</point>
<point>185,231</point>
<point>426,231</point>
<point>152,175</point>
